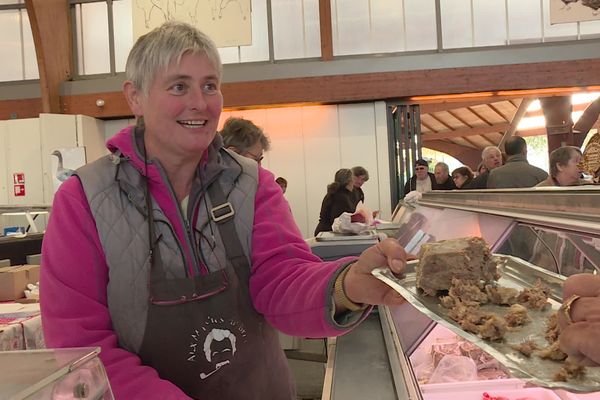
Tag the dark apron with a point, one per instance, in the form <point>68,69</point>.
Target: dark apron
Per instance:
<point>204,335</point>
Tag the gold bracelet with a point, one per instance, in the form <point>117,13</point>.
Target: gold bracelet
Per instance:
<point>339,294</point>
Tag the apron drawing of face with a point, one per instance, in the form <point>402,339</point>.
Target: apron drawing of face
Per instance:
<point>219,348</point>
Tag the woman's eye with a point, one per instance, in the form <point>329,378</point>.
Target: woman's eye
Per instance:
<point>178,88</point>
<point>211,88</point>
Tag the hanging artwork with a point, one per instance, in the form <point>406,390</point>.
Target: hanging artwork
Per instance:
<point>563,11</point>
<point>227,22</point>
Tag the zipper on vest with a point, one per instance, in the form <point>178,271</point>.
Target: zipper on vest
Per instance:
<point>195,268</point>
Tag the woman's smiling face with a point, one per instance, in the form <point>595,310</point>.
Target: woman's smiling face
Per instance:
<point>182,107</point>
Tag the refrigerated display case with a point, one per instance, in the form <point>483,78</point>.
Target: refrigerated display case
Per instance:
<point>63,374</point>
<point>557,229</point>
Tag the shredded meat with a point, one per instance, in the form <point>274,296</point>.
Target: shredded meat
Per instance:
<point>501,295</point>
<point>552,352</point>
<point>535,297</point>
<point>552,329</point>
<point>526,348</point>
<point>493,329</point>
<point>570,370</point>
<point>517,316</point>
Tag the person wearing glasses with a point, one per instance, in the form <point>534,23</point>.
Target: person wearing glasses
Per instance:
<point>245,138</point>
<point>180,258</point>
<point>422,181</point>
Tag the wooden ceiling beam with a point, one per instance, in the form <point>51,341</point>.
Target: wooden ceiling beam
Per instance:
<point>462,132</point>
<point>466,155</point>
<point>522,80</point>
<point>326,30</point>
<point>51,29</point>
<point>501,114</point>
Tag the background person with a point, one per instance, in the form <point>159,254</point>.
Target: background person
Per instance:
<point>359,176</point>
<point>517,172</point>
<point>422,181</point>
<point>178,257</point>
<point>245,138</point>
<point>491,158</point>
<point>565,167</point>
<point>339,199</point>
<point>462,176</point>
<point>443,179</point>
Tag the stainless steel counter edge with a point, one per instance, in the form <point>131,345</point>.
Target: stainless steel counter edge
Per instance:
<point>369,362</point>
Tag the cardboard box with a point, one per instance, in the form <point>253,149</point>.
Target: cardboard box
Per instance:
<point>14,280</point>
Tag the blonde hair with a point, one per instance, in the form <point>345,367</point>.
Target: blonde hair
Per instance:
<point>156,50</point>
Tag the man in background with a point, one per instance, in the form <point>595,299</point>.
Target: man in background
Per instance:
<point>443,179</point>
<point>245,138</point>
<point>422,181</point>
<point>517,172</point>
<point>491,158</point>
<point>359,177</point>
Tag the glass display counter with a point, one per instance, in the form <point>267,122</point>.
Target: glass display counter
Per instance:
<point>557,229</point>
<point>53,374</point>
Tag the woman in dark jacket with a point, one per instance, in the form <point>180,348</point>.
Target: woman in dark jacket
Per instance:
<point>339,199</point>
<point>462,176</point>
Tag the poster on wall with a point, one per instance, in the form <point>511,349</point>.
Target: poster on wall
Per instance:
<point>227,22</point>
<point>64,162</point>
<point>563,11</point>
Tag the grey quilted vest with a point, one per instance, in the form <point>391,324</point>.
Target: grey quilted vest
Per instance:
<point>115,192</point>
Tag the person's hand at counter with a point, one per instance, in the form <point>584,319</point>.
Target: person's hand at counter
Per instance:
<point>579,319</point>
<point>360,287</point>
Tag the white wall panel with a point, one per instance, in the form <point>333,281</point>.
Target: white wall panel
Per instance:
<point>524,21</point>
<point>322,157</point>
<point>24,155</point>
<point>123,26</point>
<point>489,22</point>
<point>90,134</point>
<point>312,29</point>
<point>10,32</point>
<point>358,145</point>
<point>589,29</point>
<point>94,33</point>
<point>456,23</point>
<point>350,26</point>
<point>288,29</point>
<point>387,27</point>
<point>29,56</point>
<point>4,183</point>
<point>296,29</point>
<point>381,175</point>
<point>419,19</point>
<point>286,158</point>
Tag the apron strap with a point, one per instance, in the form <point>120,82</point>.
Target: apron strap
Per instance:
<point>222,214</point>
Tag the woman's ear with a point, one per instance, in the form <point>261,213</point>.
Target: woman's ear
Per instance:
<point>134,98</point>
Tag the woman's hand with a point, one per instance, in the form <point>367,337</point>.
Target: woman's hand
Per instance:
<point>363,288</point>
<point>579,319</point>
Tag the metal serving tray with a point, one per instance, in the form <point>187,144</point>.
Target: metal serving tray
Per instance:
<point>518,274</point>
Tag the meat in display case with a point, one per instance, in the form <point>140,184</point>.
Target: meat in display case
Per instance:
<point>543,232</point>
<point>53,374</point>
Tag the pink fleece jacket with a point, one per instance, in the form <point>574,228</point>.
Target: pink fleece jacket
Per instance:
<point>288,285</point>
